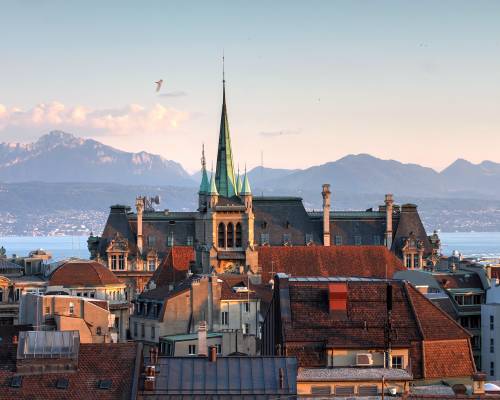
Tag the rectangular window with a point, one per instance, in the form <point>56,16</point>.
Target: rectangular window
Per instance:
<point>338,240</point>
<point>397,362</point>
<point>287,238</point>
<point>492,345</point>
<point>151,264</point>
<point>225,318</point>
<point>192,350</point>
<point>309,238</point>
<point>170,240</point>
<point>113,261</point>
<point>321,390</point>
<point>492,368</point>
<point>408,261</point>
<point>344,390</point>
<point>153,332</point>
<point>17,294</point>
<point>151,241</point>
<point>189,241</point>
<point>376,240</point>
<point>143,330</point>
<point>264,238</point>
<point>121,262</point>
<point>492,322</point>
<point>135,329</point>
<point>246,306</point>
<point>246,329</point>
<point>367,391</point>
<point>416,261</point>
<point>219,348</point>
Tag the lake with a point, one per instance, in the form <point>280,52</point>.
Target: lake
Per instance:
<point>472,244</point>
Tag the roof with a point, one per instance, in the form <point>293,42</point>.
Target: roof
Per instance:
<point>190,336</point>
<point>162,293</point>
<point>305,315</point>
<point>96,362</point>
<point>363,261</point>
<point>83,273</point>
<point>410,223</point>
<point>459,280</point>
<point>229,281</point>
<point>352,374</point>
<point>227,376</point>
<point>175,266</point>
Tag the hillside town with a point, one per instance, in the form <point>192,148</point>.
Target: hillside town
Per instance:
<point>251,297</point>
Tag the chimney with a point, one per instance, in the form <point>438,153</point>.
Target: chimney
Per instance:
<point>212,354</point>
<point>150,378</point>
<point>389,204</point>
<point>478,383</point>
<point>326,214</point>
<point>202,339</point>
<point>139,205</point>
<point>337,298</point>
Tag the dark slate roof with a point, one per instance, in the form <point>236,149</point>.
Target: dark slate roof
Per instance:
<point>277,216</point>
<point>459,280</point>
<point>410,222</point>
<point>228,377</point>
<point>117,223</point>
<point>116,362</point>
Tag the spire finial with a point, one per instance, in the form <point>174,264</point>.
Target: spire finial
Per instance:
<point>223,71</point>
<point>203,161</point>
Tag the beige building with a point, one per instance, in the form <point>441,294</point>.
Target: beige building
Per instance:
<point>91,318</point>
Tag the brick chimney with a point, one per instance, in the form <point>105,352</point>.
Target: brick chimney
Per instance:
<point>326,214</point>
<point>337,298</point>
<point>202,339</point>
<point>139,205</point>
<point>389,207</point>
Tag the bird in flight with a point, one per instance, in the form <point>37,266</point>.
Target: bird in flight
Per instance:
<point>158,85</point>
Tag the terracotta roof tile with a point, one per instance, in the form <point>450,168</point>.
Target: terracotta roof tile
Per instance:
<point>175,266</point>
<point>361,261</point>
<point>448,358</point>
<point>82,273</point>
<point>96,361</point>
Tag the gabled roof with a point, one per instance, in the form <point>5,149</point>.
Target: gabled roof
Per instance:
<point>410,222</point>
<point>175,266</point>
<point>228,377</point>
<point>83,273</point>
<point>96,362</point>
<point>361,261</point>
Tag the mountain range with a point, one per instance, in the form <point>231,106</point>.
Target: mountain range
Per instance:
<point>62,157</point>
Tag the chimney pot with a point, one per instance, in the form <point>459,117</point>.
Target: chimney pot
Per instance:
<point>202,339</point>
<point>212,355</point>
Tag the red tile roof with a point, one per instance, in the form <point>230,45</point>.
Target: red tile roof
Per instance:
<point>83,273</point>
<point>175,266</point>
<point>96,361</point>
<point>361,261</point>
<point>311,327</point>
<point>229,281</point>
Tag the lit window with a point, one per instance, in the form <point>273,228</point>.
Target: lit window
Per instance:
<point>225,318</point>
<point>357,240</point>
<point>397,362</point>
<point>192,350</point>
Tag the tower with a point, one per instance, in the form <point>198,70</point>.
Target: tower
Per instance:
<point>204,186</point>
<point>326,214</point>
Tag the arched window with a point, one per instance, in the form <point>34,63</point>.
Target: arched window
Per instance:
<point>230,235</point>
<point>221,233</point>
<point>238,235</point>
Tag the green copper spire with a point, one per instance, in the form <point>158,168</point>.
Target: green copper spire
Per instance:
<point>246,185</point>
<point>239,182</point>
<point>224,172</point>
<point>213,188</point>
<point>204,186</point>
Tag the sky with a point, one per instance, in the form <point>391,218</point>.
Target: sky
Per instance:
<point>306,82</point>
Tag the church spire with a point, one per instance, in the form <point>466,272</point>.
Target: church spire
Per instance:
<point>204,186</point>
<point>224,172</point>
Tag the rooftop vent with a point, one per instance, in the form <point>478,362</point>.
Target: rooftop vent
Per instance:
<point>62,383</point>
<point>105,384</point>
<point>16,381</point>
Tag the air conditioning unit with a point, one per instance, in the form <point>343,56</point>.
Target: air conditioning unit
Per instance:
<point>364,359</point>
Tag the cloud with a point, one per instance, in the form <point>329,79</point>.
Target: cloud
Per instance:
<point>131,119</point>
<point>175,93</point>
<point>284,132</point>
